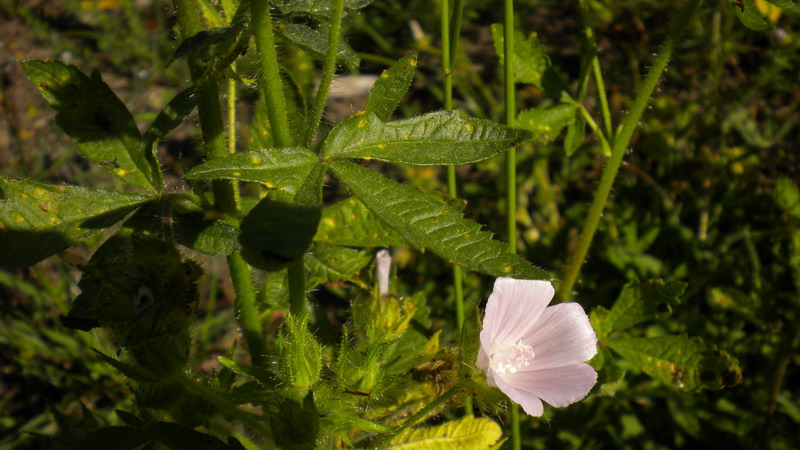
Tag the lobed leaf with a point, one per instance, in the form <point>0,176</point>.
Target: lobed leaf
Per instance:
<point>467,432</point>
<point>679,361</point>
<point>428,224</point>
<point>439,138</point>
<point>546,123</point>
<point>281,168</point>
<point>38,220</point>
<point>97,121</point>
<point>334,264</point>
<point>531,63</point>
<point>637,303</point>
<point>315,41</point>
<point>350,223</point>
<point>390,88</point>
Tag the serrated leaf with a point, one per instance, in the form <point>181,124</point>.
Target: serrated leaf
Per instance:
<point>439,138</point>
<point>98,122</point>
<point>390,88</point>
<point>178,437</point>
<point>276,168</point>
<point>546,123</point>
<point>679,361</point>
<point>315,41</point>
<point>350,223</point>
<point>531,63</point>
<point>335,264</point>
<point>280,228</point>
<point>428,224</point>
<point>121,438</point>
<point>38,220</point>
<point>467,432</point>
<point>637,303</point>
<point>749,15</point>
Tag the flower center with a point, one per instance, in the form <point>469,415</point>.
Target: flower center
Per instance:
<point>510,358</point>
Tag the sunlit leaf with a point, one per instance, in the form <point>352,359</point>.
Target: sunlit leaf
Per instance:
<point>439,138</point>
<point>348,222</point>
<point>679,361</point>
<point>531,63</point>
<point>467,432</point>
<point>390,87</point>
<point>38,220</point>
<point>333,263</point>
<point>98,122</point>
<point>431,225</point>
<point>546,123</point>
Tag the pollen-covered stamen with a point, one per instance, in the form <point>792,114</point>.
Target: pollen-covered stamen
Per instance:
<point>510,358</point>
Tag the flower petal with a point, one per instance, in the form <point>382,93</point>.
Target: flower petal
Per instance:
<point>558,386</point>
<point>512,309</point>
<point>562,336</point>
<point>530,403</point>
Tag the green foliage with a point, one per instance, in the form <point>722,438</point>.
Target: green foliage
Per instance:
<point>546,123</point>
<point>440,138</point>
<point>348,222</point>
<point>430,225</point>
<point>98,122</point>
<point>315,41</point>
<point>748,14</point>
<point>300,355</point>
<point>638,302</point>
<point>467,432</point>
<point>532,64</point>
<point>390,87</point>
<point>39,220</point>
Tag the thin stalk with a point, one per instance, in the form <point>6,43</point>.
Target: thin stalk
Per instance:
<point>334,32</point>
<point>449,44</point>
<point>420,415</point>
<point>598,75</point>
<point>232,132</point>
<point>276,111</point>
<point>511,166</point>
<point>210,112</point>
<point>224,405</point>
<point>271,84</point>
<point>621,141</point>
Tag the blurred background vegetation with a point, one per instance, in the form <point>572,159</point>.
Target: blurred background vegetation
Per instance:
<point>694,201</point>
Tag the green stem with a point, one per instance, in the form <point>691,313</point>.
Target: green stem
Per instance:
<point>449,44</point>
<point>224,405</point>
<point>511,166</point>
<point>621,142</point>
<point>598,75</point>
<point>334,32</point>
<point>271,84</point>
<point>419,416</point>
<point>210,112</point>
<point>297,288</point>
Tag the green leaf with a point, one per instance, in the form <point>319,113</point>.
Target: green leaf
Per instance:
<point>315,7</point>
<point>178,437</point>
<point>439,138</point>
<point>787,196</point>
<point>121,438</point>
<point>280,228</point>
<point>281,168</point>
<point>546,123</point>
<point>467,432</point>
<point>263,376</point>
<point>38,220</point>
<point>576,131</point>
<point>679,361</point>
<point>792,6</point>
<point>299,352</point>
<point>637,303</point>
<point>749,15</point>
<point>335,264</point>
<point>171,116</point>
<point>428,224</point>
<point>315,41</point>
<point>97,121</point>
<point>531,63</point>
<point>350,223</point>
<point>390,87</point>
<point>202,41</point>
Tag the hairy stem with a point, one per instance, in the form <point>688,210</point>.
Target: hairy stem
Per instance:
<point>334,32</point>
<point>621,141</point>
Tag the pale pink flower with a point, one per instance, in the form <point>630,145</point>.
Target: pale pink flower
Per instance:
<point>533,352</point>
